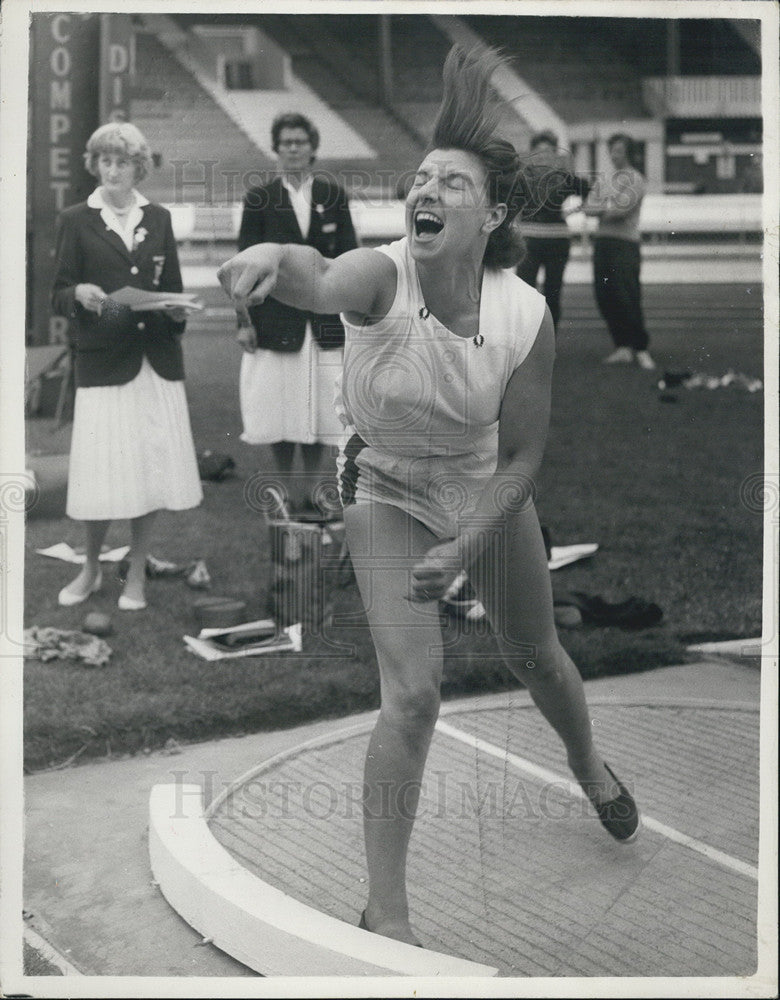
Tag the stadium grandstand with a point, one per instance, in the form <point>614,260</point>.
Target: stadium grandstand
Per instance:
<point>208,86</point>
<point>205,88</point>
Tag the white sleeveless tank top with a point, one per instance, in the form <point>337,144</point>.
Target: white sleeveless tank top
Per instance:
<point>411,387</point>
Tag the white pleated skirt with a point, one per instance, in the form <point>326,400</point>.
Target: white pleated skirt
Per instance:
<point>132,450</point>
<point>286,396</point>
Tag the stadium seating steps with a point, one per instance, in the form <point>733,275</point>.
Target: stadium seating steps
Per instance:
<point>581,74</point>
<point>584,75</point>
<point>183,125</point>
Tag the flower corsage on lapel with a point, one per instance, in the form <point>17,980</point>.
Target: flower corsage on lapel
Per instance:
<point>139,236</point>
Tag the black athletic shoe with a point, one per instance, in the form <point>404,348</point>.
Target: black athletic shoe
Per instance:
<point>619,816</point>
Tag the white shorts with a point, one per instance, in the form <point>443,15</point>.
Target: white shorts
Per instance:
<point>436,490</point>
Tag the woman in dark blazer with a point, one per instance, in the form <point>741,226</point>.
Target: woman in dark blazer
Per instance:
<point>132,452</point>
<point>293,357</point>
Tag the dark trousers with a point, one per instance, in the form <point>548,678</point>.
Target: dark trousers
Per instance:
<point>618,293</point>
<point>551,253</point>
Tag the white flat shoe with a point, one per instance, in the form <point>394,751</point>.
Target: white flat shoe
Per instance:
<point>68,598</point>
<point>126,603</point>
<point>620,356</point>
<point>644,360</point>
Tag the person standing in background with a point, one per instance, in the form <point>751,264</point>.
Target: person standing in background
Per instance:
<point>615,201</point>
<point>546,234</point>
<point>132,452</point>
<point>292,358</point>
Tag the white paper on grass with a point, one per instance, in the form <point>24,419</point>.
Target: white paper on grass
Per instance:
<point>562,555</point>
<point>64,552</point>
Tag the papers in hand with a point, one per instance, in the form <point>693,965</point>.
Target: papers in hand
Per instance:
<point>142,301</point>
<point>250,639</point>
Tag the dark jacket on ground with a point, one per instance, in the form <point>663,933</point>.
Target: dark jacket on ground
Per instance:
<point>110,348</point>
<point>269,217</point>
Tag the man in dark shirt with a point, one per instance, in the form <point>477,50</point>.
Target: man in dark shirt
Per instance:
<point>546,232</point>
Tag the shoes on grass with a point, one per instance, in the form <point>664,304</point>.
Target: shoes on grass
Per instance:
<point>644,360</point>
<point>68,598</point>
<point>126,603</point>
<point>627,356</point>
<point>633,613</point>
<point>620,356</point>
<point>154,568</point>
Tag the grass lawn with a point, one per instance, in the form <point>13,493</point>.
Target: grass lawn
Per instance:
<point>657,484</point>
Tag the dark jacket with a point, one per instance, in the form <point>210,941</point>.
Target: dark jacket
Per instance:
<point>269,217</point>
<point>109,348</point>
<point>549,189</point>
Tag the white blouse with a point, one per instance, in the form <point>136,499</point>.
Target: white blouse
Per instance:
<point>301,203</point>
<point>123,227</point>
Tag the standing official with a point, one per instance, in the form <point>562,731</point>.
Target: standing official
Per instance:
<point>616,201</point>
<point>547,236</point>
<point>132,452</point>
<point>293,357</point>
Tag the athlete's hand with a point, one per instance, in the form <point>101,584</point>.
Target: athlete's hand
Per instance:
<point>432,576</point>
<point>250,276</point>
<point>247,338</point>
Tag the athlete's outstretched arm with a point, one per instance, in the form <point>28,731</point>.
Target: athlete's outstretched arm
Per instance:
<point>361,281</point>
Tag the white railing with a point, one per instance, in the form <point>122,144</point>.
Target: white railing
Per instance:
<point>376,221</point>
<point>704,96</point>
<point>691,213</point>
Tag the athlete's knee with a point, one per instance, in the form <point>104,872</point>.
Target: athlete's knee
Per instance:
<point>535,661</point>
<point>413,705</point>
<point>550,666</point>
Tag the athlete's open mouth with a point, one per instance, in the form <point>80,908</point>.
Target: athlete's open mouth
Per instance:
<point>427,224</point>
